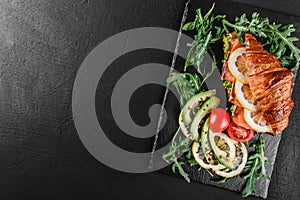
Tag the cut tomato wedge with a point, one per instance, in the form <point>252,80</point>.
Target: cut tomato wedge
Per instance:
<point>239,133</point>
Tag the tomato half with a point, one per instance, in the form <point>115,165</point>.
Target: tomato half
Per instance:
<point>219,120</point>
<point>239,133</point>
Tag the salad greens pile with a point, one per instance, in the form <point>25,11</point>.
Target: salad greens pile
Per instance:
<point>208,30</point>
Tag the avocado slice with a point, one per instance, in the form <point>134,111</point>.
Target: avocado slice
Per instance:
<point>225,158</point>
<point>183,128</point>
<point>206,108</point>
<point>204,138</point>
<point>192,103</point>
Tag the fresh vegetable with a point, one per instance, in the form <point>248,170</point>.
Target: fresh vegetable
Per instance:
<point>193,105</point>
<point>239,133</point>
<point>183,128</point>
<point>226,46</point>
<point>204,153</point>
<point>279,39</point>
<point>178,146</point>
<point>205,109</point>
<point>186,84</point>
<point>206,149</point>
<point>255,166</point>
<point>183,145</point>
<point>182,85</point>
<point>219,120</point>
<point>226,153</point>
<point>207,33</point>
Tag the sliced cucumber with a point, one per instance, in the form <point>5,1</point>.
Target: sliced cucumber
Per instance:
<point>239,162</point>
<point>206,108</point>
<point>225,157</point>
<point>193,103</point>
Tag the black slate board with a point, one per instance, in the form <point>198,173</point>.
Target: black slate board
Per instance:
<point>271,142</point>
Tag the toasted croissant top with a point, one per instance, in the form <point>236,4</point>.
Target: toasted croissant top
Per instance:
<point>270,83</point>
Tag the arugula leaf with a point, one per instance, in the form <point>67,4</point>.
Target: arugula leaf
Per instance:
<point>193,162</point>
<point>182,85</point>
<point>189,26</point>
<point>255,167</point>
<point>186,84</point>
<point>279,39</point>
<point>207,33</point>
<point>178,146</point>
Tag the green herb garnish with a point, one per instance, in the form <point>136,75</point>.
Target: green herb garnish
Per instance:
<point>193,162</point>
<point>255,166</point>
<point>178,147</point>
<point>207,33</point>
<point>232,108</point>
<point>228,86</point>
<point>182,86</point>
<point>279,38</point>
<point>226,46</point>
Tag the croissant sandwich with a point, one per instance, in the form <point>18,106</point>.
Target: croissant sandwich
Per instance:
<point>261,87</point>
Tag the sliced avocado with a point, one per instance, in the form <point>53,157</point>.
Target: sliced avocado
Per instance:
<point>204,139</point>
<point>183,128</point>
<point>192,103</point>
<point>221,155</point>
<point>206,108</point>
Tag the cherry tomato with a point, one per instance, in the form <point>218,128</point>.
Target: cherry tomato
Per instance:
<point>239,133</point>
<point>219,120</point>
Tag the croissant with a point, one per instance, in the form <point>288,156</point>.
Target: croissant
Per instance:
<point>270,83</point>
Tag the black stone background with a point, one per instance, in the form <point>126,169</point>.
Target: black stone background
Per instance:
<point>43,44</point>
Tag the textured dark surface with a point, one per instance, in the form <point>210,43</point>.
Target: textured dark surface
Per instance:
<point>288,6</point>
<point>43,44</point>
